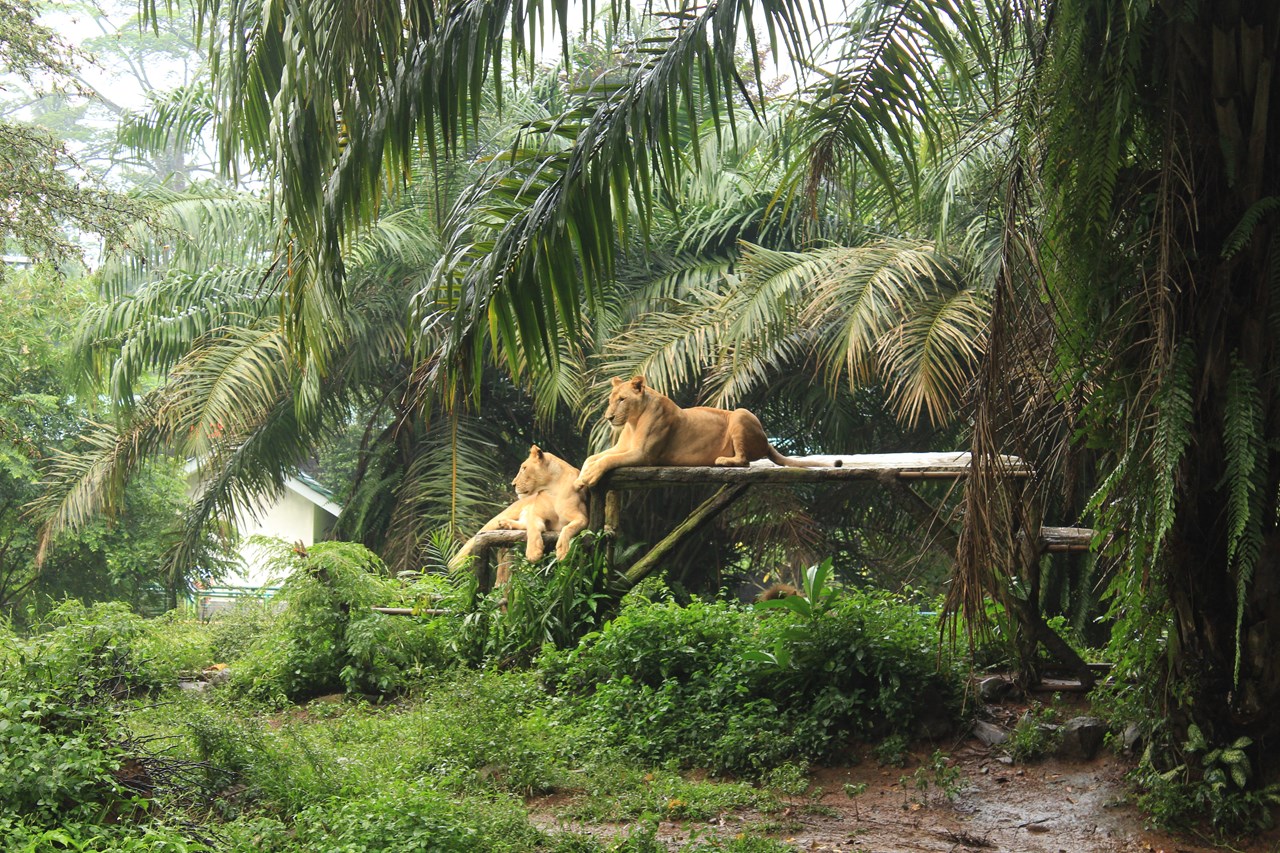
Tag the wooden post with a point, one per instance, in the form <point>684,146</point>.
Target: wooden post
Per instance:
<point>595,508</point>
<point>612,522</point>
<point>706,511</point>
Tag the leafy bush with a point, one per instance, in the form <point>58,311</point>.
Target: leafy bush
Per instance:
<point>67,759</point>
<point>1178,798</point>
<point>21,836</point>
<point>328,640</point>
<point>417,818</point>
<point>107,647</point>
<point>56,754</point>
<point>233,632</point>
<point>1036,734</point>
<point>723,686</point>
<point>552,603</point>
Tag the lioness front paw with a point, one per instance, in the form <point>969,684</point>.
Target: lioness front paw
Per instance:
<point>509,524</point>
<point>562,550</point>
<point>533,553</point>
<point>582,483</point>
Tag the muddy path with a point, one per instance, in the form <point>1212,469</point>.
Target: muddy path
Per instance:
<point>1047,806</point>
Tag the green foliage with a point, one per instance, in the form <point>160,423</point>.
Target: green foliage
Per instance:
<point>1212,783</point>
<point>687,683</point>
<point>1036,734</point>
<point>72,774</point>
<point>113,558</point>
<point>891,751</point>
<point>418,819</point>
<point>936,773</point>
<point>553,603</point>
<point>23,836</point>
<point>328,640</point>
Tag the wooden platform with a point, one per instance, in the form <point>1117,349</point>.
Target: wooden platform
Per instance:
<point>869,466</point>
<point>895,472</point>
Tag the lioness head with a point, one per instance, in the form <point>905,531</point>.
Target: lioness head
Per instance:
<point>536,473</point>
<point>626,400</point>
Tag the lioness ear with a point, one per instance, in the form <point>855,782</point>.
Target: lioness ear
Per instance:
<point>637,383</point>
<point>535,452</point>
<point>616,382</point>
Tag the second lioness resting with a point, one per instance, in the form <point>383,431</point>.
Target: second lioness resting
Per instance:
<point>655,431</point>
<point>547,502</point>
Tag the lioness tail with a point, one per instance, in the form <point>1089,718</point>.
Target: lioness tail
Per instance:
<point>792,462</point>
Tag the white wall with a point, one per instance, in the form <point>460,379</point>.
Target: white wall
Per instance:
<point>291,518</point>
<point>299,514</point>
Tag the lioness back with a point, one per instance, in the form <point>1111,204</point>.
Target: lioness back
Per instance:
<point>656,431</point>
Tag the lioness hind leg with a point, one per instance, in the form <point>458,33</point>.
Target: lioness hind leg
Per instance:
<point>737,442</point>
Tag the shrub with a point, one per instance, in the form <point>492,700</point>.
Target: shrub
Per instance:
<point>327,639</point>
<point>67,759</point>
<point>724,686</point>
<point>21,836</point>
<point>414,817</point>
<point>552,603</point>
<point>233,632</point>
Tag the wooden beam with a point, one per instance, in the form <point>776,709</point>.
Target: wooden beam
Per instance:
<point>1065,539</point>
<point>706,511</point>
<point>942,538</point>
<point>854,467</point>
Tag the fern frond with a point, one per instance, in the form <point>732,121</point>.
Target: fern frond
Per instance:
<point>1243,440</point>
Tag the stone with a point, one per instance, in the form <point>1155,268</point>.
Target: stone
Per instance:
<point>1131,739</point>
<point>1082,737</point>
<point>994,688</point>
<point>989,733</point>
<point>934,723</point>
<point>219,675</point>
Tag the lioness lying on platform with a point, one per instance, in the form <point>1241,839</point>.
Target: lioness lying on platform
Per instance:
<point>547,502</point>
<point>655,431</point>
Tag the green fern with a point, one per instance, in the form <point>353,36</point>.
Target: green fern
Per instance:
<point>1244,481</point>
<point>1243,232</point>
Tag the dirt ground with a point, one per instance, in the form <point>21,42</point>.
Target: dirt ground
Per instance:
<point>1052,805</point>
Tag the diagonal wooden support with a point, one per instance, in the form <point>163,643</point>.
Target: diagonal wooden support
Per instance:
<point>707,510</point>
<point>941,537</point>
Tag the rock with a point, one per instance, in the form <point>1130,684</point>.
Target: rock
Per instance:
<point>220,675</point>
<point>193,686</point>
<point>1082,737</point>
<point>934,723</point>
<point>989,734</point>
<point>994,688</point>
<point>1132,737</point>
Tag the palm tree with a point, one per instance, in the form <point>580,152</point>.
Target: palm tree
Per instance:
<point>1132,180</point>
<point>198,304</point>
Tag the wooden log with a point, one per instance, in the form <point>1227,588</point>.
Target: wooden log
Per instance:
<point>487,541</point>
<point>612,511</point>
<point>595,508</point>
<point>706,511</point>
<point>1066,539</point>
<point>510,539</point>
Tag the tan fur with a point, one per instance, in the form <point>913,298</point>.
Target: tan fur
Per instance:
<point>547,502</point>
<point>655,431</point>
<point>778,590</point>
